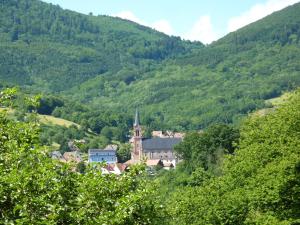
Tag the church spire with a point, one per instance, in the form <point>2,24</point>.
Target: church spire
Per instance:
<point>136,121</point>
<point>137,151</point>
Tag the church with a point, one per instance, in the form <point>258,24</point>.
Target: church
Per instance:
<point>160,149</point>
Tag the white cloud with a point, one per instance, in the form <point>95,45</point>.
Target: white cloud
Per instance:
<point>202,31</point>
<point>257,12</point>
<point>128,15</point>
<point>160,25</point>
<point>163,26</point>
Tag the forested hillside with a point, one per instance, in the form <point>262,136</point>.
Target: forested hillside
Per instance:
<point>96,70</point>
<point>54,49</point>
<point>222,81</point>
<point>104,62</point>
<point>256,182</point>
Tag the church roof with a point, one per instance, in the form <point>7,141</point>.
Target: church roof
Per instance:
<point>160,144</point>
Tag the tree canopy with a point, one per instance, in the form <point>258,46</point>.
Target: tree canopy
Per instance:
<point>259,184</point>
<point>34,189</point>
<point>103,62</point>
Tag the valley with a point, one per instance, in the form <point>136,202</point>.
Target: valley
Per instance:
<point>107,121</point>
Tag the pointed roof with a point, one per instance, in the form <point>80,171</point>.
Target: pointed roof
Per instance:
<point>137,118</point>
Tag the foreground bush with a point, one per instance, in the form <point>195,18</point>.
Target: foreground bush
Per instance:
<point>34,189</point>
<point>260,183</point>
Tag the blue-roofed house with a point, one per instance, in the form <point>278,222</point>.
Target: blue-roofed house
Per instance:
<point>108,155</point>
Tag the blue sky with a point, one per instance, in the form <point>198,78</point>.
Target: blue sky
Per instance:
<point>201,20</point>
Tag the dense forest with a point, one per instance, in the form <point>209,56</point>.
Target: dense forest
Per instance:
<point>94,71</point>
<point>255,181</point>
<point>101,62</point>
<point>248,175</point>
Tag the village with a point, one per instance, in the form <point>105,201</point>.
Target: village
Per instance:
<point>156,152</point>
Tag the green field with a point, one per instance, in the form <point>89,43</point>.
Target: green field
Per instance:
<point>46,119</point>
<point>51,120</point>
<point>279,100</point>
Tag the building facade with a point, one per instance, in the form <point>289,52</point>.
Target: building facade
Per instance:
<point>102,155</point>
<point>156,148</point>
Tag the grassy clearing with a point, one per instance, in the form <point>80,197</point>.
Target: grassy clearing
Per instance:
<point>56,121</point>
<point>279,100</point>
<point>273,103</point>
<point>263,112</point>
<point>9,111</point>
<point>46,119</point>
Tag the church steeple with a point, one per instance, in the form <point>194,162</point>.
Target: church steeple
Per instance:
<point>136,125</point>
<point>137,139</point>
<point>136,120</point>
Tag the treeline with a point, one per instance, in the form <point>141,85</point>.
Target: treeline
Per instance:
<point>248,175</point>
<point>36,189</point>
<point>252,180</point>
<point>117,66</point>
<point>53,49</point>
<point>219,83</point>
<point>98,127</point>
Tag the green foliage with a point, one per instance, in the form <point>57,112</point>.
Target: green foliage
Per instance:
<point>55,49</point>
<point>35,189</point>
<point>48,104</point>
<point>104,62</point>
<point>123,152</point>
<point>60,135</point>
<point>260,182</point>
<point>100,69</point>
<point>206,149</point>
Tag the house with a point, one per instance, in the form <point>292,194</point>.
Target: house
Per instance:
<point>116,168</point>
<point>168,165</point>
<point>157,133</point>
<point>121,167</point>
<point>56,155</point>
<point>167,134</point>
<point>154,163</point>
<point>111,147</point>
<point>72,157</point>
<point>73,144</point>
<point>107,155</point>
<point>159,147</point>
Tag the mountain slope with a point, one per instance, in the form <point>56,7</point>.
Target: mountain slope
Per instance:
<point>218,83</point>
<point>281,27</point>
<point>47,47</point>
<point>118,65</point>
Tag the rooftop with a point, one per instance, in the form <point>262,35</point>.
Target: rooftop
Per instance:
<point>160,144</point>
<point>92,151</point>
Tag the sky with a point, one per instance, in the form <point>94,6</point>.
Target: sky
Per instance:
<point>195,20</point>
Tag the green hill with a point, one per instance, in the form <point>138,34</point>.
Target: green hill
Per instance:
<point>218,83</point>
<point>116,65</point>
<point>53,49</point>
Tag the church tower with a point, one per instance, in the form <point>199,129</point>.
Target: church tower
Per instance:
<point>137,151</point>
